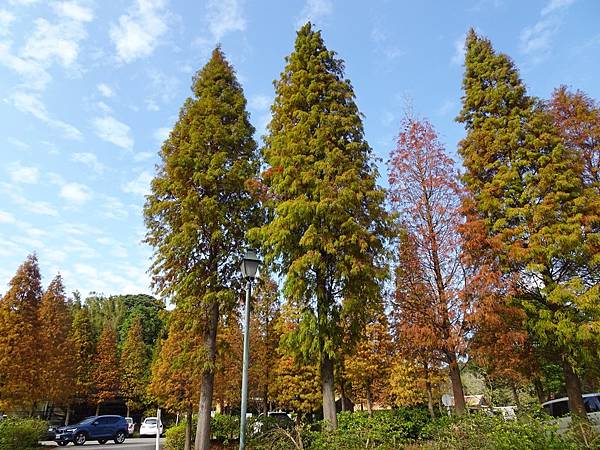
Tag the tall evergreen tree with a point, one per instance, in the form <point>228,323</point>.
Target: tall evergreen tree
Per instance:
<point>135,361</point>
<point>82,338</point>
<point>200,209</point>
<point>528,196</point>
<point>327,224</point>
<point>106,373</point>
<point>19,350</point>
<point>56,364</point>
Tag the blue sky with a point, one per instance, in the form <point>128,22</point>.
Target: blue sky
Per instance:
<point>89,88</point>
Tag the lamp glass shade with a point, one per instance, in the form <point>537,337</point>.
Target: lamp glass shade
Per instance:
<point>250,265</point>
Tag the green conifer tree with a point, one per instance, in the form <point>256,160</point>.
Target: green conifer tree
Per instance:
<point>82,351</point>
<point>20,382</point>
<point>529,196</point>
<point>135,361</point>
<point>200,209</point>
<point>327,224</point>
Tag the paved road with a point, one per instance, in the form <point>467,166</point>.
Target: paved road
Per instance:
<point>129,444</point>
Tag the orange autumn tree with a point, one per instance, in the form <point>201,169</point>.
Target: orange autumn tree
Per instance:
<point>106,368</point>
<point>368,366</point>
<point>430,309</point>
<point>20,351</point>
<point>57,360</point>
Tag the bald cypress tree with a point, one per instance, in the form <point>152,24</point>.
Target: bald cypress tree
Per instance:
<point>19,350</point>
<point>529,197</point>
<point>200,209</point>
<point>325,236</point>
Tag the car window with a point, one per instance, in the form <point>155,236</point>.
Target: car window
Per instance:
<point>87,421</point>
<point>150,421</point>
<point>560,409</point>
<point>592,404</point>
<point>107,420</point>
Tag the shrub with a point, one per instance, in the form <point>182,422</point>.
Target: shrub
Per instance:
<point>21,434</point>
<point>175,437</point>
<point>223,428</point>
<point>481,431</point>
<point>387,429</point>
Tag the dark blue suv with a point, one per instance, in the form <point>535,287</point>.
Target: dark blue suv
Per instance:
<point>98,428</point>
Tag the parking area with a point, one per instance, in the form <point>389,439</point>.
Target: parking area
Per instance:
<point>129,444</point>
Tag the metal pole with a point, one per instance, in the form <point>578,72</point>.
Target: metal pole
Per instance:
<point>158,420</point>
<point>244,405</point>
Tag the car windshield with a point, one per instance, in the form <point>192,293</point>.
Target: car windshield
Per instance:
<point>86,421</point>
<point>150,421</point>
<point>129,420</point>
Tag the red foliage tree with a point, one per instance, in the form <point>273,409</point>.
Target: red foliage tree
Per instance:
<point>430,308</point>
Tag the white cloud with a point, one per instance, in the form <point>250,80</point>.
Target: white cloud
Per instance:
<point>75,193</point>
<point>554,5</point>
<point>90,160</point>
<point>23,174</point>
<point>536,40</point>
<point>447,107</point>
<point>34,75</point>
<point>384,45</point>
<point>315,11</point>
<point>105,90</point>
<point>259,102</point>
<point>17,142</point>
<point>161,134</point>
<point>6,20</point>
<point>140,185</point>
<point>224,16</point>
<point>74,11</point>
<point>113,208</point>
<point>30,103</point>
<point>111,130</point>
<point>143,156</point>
<point>6,217</point>
<point>138,32</point>
<point>458,57</point>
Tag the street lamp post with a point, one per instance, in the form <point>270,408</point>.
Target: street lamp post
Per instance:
<point>249,268</point>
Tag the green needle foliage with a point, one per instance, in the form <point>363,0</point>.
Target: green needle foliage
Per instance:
<point>328,222</point>
<point>530,198</point>
<point>200,208</point>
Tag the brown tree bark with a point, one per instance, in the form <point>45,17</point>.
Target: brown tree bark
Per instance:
<point>188,428</point>
<point>369,401</point>
<point>457,388</point>
<point>539,390</point>
<point>573,387</point>
<point>202,441</point>
<point>329,413</point>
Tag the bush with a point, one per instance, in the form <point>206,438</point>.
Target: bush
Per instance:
<point>481,431</point>
<point>175,437</point>
<point>21,434</point>
<point>387,429</point>
<point>223,428</point>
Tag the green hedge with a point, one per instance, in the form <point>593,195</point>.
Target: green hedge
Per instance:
<point>21,434</point>
<point>480,431</point>
<point>384,429</point>
<point>224,428</point>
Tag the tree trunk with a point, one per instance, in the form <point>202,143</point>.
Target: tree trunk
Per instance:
<point>98,409</point>
<point>369,401</point>
<point>329,413</point>
<point>539,390</point>
<point>299,443</point>
<point>208,379</point>
<point>515,394</point>
<point>343,398</point>
<point>127,409</point>
<point>188,428</point>
<point>67,415</point>
<point>573,386</point>
<point>457,388</point>
<point>430,398</point>
<point>266,400</point>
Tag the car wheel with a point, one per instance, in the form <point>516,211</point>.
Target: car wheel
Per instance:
<point>80,439</point>
<point>102,441</point>
<point>62,443</point>
<point>120,437</point>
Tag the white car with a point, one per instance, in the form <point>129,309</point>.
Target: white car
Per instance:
<point>130,425</point>
<point>559,409</point>
<point>148,427</point>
